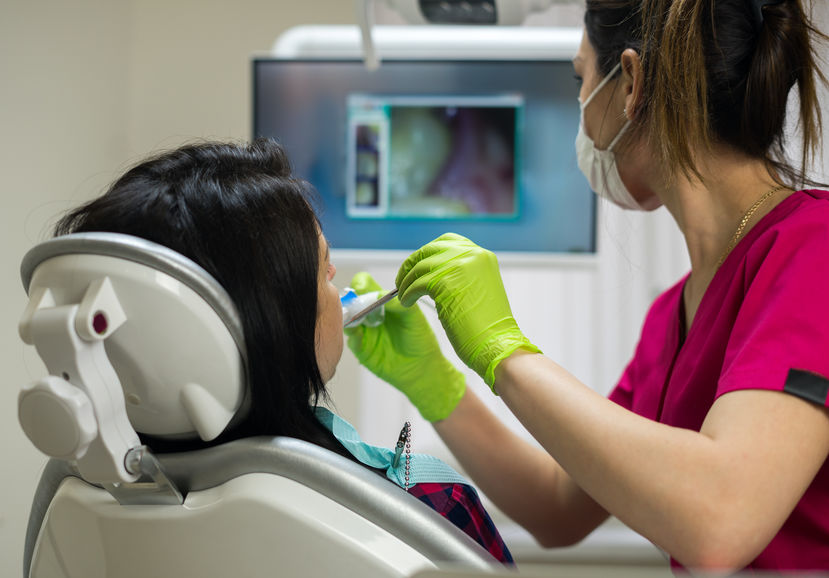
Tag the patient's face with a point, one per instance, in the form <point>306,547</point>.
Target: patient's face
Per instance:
<point>329,333</point>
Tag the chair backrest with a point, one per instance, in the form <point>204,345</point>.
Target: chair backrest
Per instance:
<point>137,338</point>
<point>180,360</point>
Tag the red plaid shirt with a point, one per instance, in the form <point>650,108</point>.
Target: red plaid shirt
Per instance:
<point>460,504</point>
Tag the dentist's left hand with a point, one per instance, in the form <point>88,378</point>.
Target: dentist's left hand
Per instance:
<point>404,352</point>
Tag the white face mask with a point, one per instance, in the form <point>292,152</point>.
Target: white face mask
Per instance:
<point>600,166</point>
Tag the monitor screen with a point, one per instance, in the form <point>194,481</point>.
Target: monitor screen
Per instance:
<point>404,153</point>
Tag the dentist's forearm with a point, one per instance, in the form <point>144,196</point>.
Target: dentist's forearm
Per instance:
<point>519,477</point>
<point>713,498</point>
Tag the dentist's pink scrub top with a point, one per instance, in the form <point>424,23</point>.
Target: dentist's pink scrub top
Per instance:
<point>763,323</point>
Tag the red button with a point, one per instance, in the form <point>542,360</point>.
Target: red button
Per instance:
<point>99,323</point>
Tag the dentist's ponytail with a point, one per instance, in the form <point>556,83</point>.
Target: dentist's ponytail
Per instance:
<point>784,52</point>
<point>716,73</point>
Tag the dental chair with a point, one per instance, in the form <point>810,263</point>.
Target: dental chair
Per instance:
<point>138,339</point>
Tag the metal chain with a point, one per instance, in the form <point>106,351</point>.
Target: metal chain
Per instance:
<point>744,221</point>
<point>408,429</point>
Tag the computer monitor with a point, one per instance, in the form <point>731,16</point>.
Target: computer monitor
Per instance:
<point>416,148</point>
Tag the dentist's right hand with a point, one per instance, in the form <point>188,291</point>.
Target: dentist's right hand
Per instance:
<point>465,283</point>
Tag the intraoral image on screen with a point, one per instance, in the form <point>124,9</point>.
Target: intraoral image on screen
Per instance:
<point>412,150</point>
<point>432,157</point>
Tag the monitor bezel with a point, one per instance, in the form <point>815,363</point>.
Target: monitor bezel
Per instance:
<point>566,260</point>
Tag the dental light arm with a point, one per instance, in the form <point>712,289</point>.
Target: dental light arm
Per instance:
<point>451,12</point>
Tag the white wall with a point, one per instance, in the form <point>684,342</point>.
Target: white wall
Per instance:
<point>63,117</point>
<point>88,87</point>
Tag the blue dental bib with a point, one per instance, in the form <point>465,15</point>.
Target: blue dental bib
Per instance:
<point>423,467</point>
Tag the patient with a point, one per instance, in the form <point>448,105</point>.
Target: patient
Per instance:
<point>236,210</point>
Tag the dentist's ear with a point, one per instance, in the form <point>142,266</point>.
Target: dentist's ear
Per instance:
<point>632,80</point>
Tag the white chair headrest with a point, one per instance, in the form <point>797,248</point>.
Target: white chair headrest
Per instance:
<point>180,353</point>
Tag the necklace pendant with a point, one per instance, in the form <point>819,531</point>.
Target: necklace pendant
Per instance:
<point>404,443</point>
<point>398,451</point>
<point>402,440</point>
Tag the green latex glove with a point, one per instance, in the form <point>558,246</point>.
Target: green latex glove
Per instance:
<point>465,282</point>
<point>404,352</point>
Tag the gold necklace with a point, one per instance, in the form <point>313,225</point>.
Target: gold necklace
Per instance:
<point>741,227</point>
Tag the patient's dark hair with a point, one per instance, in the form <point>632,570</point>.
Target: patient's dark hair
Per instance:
<point>236,210</point>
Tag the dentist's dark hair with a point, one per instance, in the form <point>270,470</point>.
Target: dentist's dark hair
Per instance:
<point>716,72</point>
<point>236,210</point>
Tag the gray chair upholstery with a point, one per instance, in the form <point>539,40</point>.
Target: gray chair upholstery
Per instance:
<point>350,485</point>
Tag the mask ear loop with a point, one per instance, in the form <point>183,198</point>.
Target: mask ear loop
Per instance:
<point>596,90</point>
<point>602,84</point>
<point>618,137</point>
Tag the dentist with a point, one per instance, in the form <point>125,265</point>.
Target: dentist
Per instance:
<point>714,442</point>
